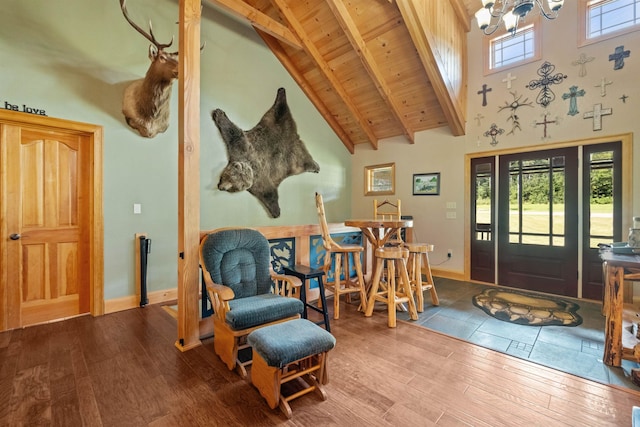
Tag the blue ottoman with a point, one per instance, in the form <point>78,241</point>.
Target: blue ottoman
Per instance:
<point>296,349</point>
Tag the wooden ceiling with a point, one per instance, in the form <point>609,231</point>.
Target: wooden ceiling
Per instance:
<point>374,69</point>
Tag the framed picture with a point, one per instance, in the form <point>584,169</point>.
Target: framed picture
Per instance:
<point>426,184</point>
<point>380,179</point>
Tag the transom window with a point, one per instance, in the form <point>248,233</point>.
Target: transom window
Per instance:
<point>505,51</point>
<point>602,19</point>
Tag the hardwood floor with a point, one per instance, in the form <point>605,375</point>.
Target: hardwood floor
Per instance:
<point>123,369</point>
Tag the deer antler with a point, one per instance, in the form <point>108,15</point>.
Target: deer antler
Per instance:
<point>149,36</point>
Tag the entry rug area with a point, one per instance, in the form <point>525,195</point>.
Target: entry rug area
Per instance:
<point>527,308</point>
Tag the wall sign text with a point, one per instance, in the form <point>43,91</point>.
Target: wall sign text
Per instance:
<point>24,109</point>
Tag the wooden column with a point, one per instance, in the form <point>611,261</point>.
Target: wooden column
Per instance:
<point>188,174</point>
<point>613,307</point>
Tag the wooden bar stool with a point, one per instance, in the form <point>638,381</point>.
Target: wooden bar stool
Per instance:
<point>418,263</point>
<point>398,287</point>
<point>341,255</point>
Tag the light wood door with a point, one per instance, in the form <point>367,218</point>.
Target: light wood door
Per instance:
<point>47,222</point>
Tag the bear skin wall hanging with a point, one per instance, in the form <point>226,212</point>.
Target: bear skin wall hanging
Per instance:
<point>261,158</point>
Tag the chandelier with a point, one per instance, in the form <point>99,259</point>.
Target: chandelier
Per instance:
<point>511,11</point>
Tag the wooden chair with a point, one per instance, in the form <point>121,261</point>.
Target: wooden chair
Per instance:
<point>389,211</point>
<point>340,282</point>
<point>417,265</point>
<point>245,294</point>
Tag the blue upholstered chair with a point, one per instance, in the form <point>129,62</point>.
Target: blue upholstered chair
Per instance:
<point>245,293</point>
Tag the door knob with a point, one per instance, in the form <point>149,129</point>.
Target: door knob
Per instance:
<point>14,236</point>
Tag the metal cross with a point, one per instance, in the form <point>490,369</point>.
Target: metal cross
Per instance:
<point>493,132</point>
<point>484,91</point>
<point>513,107</point>
<point>508,80</point>
<point>624,98</point>
<point>572,96</point>
<point>545,122</point>
<point>603,86</point>
<point>618,56</point>
<point>582,62</point>
<point>546,95</point>
<point>478,117</point>
<point>597,114</point>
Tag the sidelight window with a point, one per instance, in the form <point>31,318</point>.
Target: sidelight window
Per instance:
<point>601,194</point>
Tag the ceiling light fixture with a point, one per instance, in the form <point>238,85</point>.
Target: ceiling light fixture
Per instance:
<point>511,11</point>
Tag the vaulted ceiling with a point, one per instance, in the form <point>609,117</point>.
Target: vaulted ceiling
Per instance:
<point>374,69</point>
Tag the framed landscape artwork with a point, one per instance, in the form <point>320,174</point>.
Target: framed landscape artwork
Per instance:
<point>380,179</point>
<point>426,184</point>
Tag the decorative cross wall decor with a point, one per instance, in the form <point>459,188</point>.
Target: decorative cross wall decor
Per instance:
<point>477,118</point>
<point>597,114</point>
<point>508,80</point>
<point>582,62</point>
<point>484,91</point>
<point>624,98</point>
<point>493,132</point>
<point>572,96</point>
<point>618,56</point>
<point>603,86</point>
<point>513,106</point>
<point>546,95</point>
<point>545,122</point>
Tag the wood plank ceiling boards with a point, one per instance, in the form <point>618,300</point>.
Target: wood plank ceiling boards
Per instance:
<point>374,69</point>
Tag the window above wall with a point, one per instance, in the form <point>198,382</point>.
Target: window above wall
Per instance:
<point>603,19</point>
<point>503,51</point>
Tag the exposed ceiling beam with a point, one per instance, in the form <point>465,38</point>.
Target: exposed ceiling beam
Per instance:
<point>284,59</point>
<point>326,71</point>
<point>357,42</point>
<point>424,41</point>
<point>259,20</point>
<point>463,16</point>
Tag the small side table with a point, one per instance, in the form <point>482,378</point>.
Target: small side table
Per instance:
<point>304,273</point>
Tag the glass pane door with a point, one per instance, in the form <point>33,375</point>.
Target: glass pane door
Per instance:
<point>538,213</point>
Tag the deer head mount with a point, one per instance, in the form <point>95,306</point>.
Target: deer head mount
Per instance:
<point>145,103</point>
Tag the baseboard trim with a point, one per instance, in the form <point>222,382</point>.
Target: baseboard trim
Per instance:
<point>448,274</point>
<point>133,301</point>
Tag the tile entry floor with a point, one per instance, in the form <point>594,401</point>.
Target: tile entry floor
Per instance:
<point>575,350</point>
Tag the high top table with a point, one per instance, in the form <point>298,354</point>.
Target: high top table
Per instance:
<point>378,231</point>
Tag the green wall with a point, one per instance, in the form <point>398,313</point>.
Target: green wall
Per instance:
<point>74,58</point>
